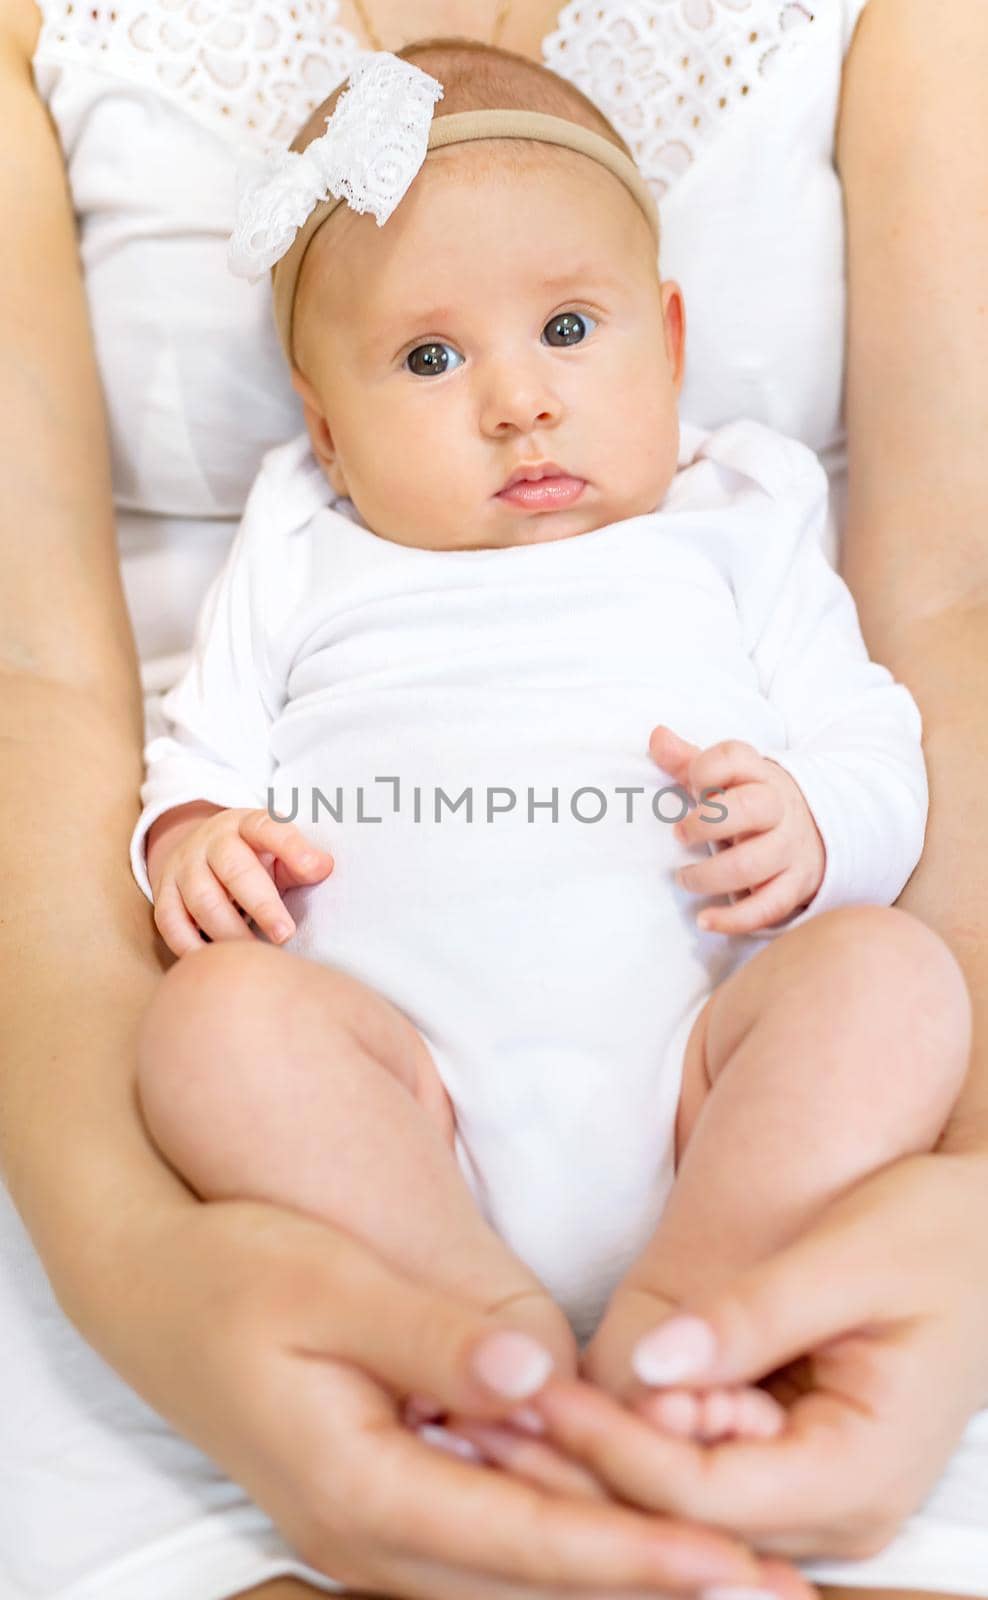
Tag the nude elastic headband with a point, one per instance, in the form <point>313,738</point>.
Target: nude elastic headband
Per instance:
<point>463,127</point>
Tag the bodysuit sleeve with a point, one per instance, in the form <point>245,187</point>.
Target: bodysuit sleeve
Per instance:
<point>219,713</point>
<point>853,733</point>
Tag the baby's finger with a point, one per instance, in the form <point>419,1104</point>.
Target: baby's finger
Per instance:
<point>173,922</point>
<point>670,750</point>
<point>732,761</point>
<point>237,867</point>
<point>208,903</point>
<point>767,904</point>
<point>305,861</point>
<point>743,866</point>
<point>750,807</point>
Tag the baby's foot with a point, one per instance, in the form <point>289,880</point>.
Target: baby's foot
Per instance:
<point>707,1413</point>
<point>710,1415</point>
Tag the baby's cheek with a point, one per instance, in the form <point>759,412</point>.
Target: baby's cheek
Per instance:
<point>640,423</point>
<point>650,448</point>
<point>432,503</point>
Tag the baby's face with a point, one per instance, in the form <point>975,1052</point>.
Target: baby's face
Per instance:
<point>495,323</point>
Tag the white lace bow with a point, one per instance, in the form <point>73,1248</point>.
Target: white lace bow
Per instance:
<point>375,143</point>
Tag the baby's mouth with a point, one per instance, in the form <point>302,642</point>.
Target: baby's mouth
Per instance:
<point>554,492</point>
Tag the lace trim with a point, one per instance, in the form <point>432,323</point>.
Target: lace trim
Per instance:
<point>251,70</point>
<point>374,146</point>
<point>671,73</point>
<point>668,73</point>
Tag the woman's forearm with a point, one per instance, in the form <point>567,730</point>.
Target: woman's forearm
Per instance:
<point>912,152</point>
<point>78,962</point>
<point>943,658</point>
<point>78,952</point>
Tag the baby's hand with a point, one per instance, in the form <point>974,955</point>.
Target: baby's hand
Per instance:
<point>768,844</point>
<point>220,872</point>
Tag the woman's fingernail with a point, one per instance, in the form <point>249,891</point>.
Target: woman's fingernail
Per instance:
<point>442,1439</point>
<point>680,1348</point>
<point>527,1419</point>
<point>282,930</point>
<point>512,1364</point>
<point>496,1444</point>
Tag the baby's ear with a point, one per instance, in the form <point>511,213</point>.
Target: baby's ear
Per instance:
<point>674,328</point>
<point>322,440</point>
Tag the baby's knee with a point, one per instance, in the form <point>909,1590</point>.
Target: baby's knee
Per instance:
<point>889,966</point>
<point>200,1004</point>
<point>197,986</point>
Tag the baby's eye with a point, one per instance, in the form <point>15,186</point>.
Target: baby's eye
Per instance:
<point>433,360</point>
<point>567,328</point>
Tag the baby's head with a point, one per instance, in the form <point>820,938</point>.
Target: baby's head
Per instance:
<point>509,313</point>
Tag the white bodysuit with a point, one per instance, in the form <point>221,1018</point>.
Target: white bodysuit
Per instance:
<point>467,733</point>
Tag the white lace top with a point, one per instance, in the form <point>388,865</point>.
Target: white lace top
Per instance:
<point>729,106</point>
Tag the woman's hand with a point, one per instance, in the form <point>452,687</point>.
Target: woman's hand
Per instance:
<point>202,872</point>
<point>768,847</point>
<point>286,1351</point>
<point>882,1295</point>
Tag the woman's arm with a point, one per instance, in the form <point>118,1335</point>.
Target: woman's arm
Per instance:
<point>76,931</point>
<point>913,156</point>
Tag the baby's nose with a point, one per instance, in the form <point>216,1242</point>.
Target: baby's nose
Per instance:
<point>520,398</point>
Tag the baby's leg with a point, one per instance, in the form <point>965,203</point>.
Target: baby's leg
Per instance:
<point>840,1047</point>
<point>263,1075</point>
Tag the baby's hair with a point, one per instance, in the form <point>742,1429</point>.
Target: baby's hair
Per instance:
<point>482,77</point>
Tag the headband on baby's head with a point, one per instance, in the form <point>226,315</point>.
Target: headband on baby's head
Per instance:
<point>376,142</point>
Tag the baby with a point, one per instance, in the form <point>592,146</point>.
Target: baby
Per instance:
<point>504,667</point>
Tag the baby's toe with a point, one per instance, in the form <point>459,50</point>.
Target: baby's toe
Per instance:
<point>714,1414</point>
<point>762,1417</point>
<point>719,1414</point>
<point>673,1410</point>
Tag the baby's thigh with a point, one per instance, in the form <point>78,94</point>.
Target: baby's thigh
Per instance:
<point>870,985</point>
<point>248,1011</point>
